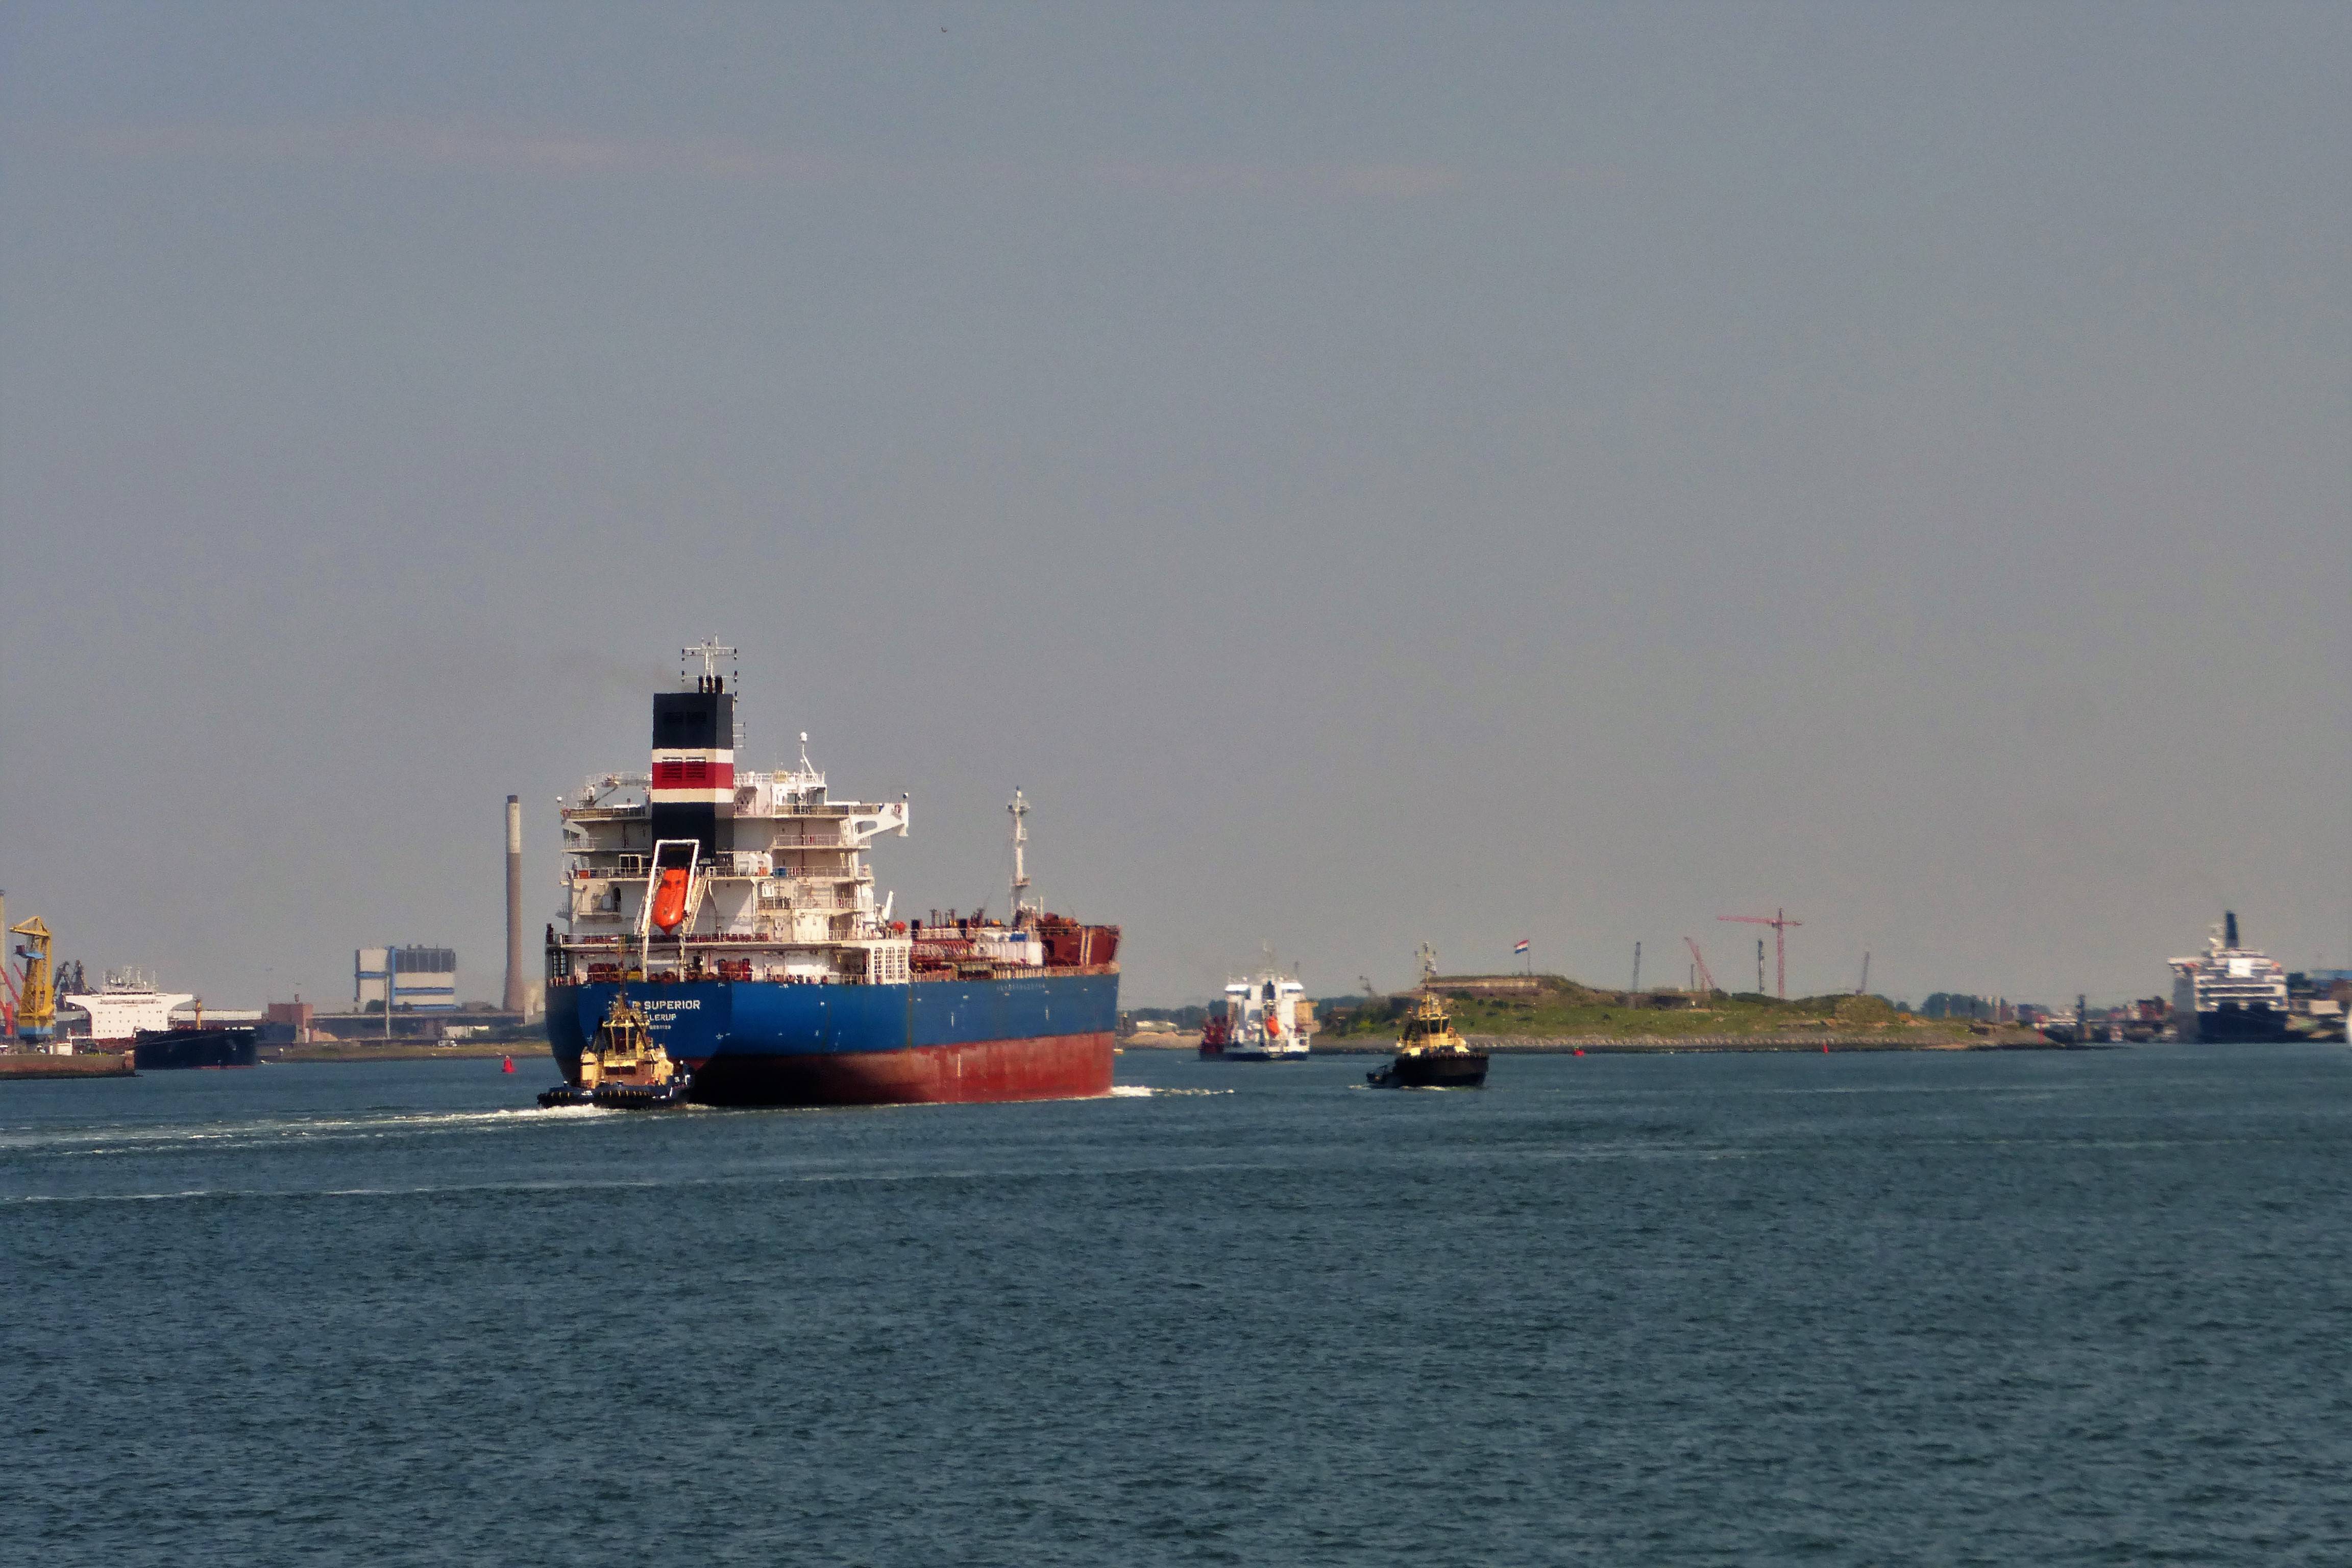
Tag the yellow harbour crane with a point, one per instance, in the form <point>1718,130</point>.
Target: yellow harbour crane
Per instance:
<point>34,996</point>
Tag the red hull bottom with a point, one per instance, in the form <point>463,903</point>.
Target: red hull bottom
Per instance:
<point>1050,1066</point>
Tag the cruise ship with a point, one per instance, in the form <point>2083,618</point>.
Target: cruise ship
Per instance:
<point>737,910</point>
<point>2229,993</point>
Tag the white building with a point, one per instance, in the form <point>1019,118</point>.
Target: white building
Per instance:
<point>416,978</point>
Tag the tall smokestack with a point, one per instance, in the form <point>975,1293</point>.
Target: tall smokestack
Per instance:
<point>513,1000</point>
<point>2229,938</point>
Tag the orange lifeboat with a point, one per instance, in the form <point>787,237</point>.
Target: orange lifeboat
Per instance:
<point>669,897</point>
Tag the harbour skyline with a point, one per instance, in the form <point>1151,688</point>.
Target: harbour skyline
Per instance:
<point>1567,478</point>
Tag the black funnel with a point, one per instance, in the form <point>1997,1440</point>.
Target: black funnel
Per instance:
<point>2230,928</point>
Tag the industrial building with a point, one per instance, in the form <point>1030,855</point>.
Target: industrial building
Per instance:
<point>410,979</point>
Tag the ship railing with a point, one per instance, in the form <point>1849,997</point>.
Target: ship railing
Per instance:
<point>836,839</point>
<point>804,896</point>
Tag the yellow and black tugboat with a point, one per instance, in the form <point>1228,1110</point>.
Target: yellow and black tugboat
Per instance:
<point>1431,1055</point>
<point>624,1068</point>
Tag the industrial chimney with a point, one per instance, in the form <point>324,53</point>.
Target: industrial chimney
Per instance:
<point>513,1000</point>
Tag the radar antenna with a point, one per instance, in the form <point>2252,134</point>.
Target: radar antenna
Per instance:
<point>709,650</point>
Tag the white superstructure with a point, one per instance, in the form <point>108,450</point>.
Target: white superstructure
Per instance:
<point>695,871</point>
<point>1267,1017</point>
<point>127,1002</point>
<point>2229,993</point>
<point>789,897</point>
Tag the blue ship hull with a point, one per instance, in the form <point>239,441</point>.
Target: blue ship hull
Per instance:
<point>1042,1037</point>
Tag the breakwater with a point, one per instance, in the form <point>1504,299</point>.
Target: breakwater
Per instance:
<point>82,1064</point>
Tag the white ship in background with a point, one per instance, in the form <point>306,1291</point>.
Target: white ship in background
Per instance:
<point>1266,1018</point>
<point>2228,992</point>
<point>127,1002</point>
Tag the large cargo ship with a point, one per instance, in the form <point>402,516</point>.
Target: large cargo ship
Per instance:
<point>196,1045</point>
<point>737,910</point>
<point>2229,993</point>
<point>128,1012</point>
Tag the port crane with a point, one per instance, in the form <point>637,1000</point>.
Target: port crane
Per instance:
<point>1698,964</point>
<point>1780,922</point>
<point>33,1000</point>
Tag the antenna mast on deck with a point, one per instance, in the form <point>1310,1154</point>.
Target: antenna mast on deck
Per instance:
<point>709,650</point>
<point>1020,810</point>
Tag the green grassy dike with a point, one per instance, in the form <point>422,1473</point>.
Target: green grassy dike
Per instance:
<point>1563,1013</point>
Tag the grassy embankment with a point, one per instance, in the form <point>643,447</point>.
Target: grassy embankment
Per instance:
<point>1562,1011</point>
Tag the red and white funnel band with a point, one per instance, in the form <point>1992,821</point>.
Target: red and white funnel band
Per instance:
<point>689,778</point>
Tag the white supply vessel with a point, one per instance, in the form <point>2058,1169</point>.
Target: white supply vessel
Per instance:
<point>2229,993</point>
<point>1266,1018</point>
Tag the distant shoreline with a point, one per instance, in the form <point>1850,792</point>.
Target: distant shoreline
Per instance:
<point>401,1051</point>
<point>1663,1044</point>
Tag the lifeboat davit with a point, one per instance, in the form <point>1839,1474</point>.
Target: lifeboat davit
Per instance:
<point>669,897</point>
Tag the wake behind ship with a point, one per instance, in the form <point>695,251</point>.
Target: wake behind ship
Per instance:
<point>738,912</point>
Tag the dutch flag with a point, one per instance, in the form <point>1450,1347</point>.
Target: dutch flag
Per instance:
<point>1521,950</point>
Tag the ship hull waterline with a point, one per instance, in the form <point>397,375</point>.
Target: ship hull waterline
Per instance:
<point>1452,1069</point>
<point>168,1050</point>
<point>951,1042</point>
<point>2236,1025</point>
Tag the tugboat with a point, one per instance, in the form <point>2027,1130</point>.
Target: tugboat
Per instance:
<point>623,1068</point>
<point>1431,1055</point>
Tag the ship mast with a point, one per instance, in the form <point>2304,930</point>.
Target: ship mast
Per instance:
<point>1020,810</point>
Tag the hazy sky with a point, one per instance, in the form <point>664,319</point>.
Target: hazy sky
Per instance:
<point>1372,475</point>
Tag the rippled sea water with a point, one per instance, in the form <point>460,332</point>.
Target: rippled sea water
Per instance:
<point>1987,1307</point>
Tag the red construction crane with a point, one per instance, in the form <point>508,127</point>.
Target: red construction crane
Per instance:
<point>1706,981</point>
<point>1780,922</point>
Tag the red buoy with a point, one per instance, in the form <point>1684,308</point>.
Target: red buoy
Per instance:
<point>509,1066</point>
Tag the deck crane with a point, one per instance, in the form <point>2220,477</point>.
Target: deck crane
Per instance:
<point>1780,922</point>
<point>1706,981</point>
